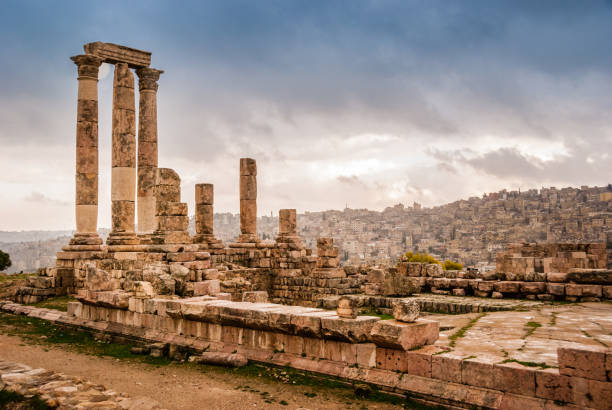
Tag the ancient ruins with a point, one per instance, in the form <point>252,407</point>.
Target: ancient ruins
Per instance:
<point>278,302</point>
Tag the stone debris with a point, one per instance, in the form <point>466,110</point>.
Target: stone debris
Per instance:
<point>406,310</point>
<point>67,392</point>
<point>221,359</point>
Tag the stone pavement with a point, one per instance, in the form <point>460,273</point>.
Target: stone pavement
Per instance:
<point>527,336</point>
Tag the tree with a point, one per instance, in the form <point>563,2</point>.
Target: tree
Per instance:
<point>5,260</point>
<point>450,265</point>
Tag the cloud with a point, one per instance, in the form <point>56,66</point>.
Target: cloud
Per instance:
<point>38,198</point>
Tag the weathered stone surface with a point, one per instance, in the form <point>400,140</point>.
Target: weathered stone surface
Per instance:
<point>355,330</point>
<point>255,296</point>
<point>347,308</point>
<point>406,310</point>
<point>405,336</point>
<point>590,276</point>
<point>588,362</point>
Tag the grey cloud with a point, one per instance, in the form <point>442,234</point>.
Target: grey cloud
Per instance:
<point>39,198</point>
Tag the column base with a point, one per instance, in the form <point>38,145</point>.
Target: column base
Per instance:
<point>145,238</point>
<point>90,239</point>
<point>294,241</point>
<point>122,238</point>
<point>247,238</point>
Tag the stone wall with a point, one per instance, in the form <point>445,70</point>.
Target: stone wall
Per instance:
<point>293,338</point>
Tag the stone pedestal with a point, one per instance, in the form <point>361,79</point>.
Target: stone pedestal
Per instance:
<point>147,148</point>
<point>86,202</point>
<point>171,218</point>
<point>248,200</point>
<point>123,177</point>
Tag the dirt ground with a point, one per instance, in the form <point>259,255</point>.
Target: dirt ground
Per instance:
<point>178,386</point>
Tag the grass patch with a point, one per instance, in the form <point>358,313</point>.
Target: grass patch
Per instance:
<point>461,332</point>
<point>12,400</point>
<point>38,331</point>
<point>528,364</point>
<point>57,303</point>
<point>531,327</point>
<point>377,313</point>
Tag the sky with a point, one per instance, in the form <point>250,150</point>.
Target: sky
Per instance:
<point>359,103</point>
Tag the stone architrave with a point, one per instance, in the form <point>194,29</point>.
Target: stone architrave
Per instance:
<point>86,199</point>
<point>248,200</point>
<point>123,177</point>
<point>147,148</point>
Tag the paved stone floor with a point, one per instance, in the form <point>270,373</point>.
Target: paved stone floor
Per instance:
<point>527,336</point>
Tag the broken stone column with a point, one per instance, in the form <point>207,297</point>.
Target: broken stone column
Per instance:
<point>248,200</point>
<point>147,148</point>
<point>204,198</point>
<point>171,218</point>
<point>123,177</point>
<point>86,199</point>
<point>287,228</point>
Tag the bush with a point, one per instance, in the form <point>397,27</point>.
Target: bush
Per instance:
<point>420,257</point>
<point>5,260</point>
<point>450,265</point>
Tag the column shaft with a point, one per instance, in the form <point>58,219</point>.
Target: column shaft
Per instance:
<point>123,178</point>
<point>204,197</point>
<point>147,148</point>
<point>248,199</point>
<point>86,198</point>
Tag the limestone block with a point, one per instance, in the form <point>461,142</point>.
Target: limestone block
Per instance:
<point>405,336</point>
<point>147,153</point>
<point>146,180</point>
<point>207,287</point>
<point>590,276</point>
<point>223,359</point>
<point>248,187</point>
<point>123,216</point>
<point>287,221</point>
<point>255,296</point>
<point>352,330</point>
<point>112,53</point>
<point>406,310</point>
<point>347,308</point>
<point>583,290</point>
<point>376,276</point>
<point>167,193</point>
<point>555,289</point>
<point>397,285</point>
<point>172,223</point>
<point>178,271</point>
<point>204,219</point>
<point>557,277</point>
<point>554,386</point>
<point>87,189</point>
<point>587,362</point>
<point>533,288</point>
<point>458,292</point>
<point>248,166</point>
<point>167,176</point>
<point>204,194</point>
<point>248,216</point>
<point>86,160</point>
<point>87,131</point>
<point>123,184</point>
<point>86,218</point>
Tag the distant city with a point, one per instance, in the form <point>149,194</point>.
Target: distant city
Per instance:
<point>467,231</point>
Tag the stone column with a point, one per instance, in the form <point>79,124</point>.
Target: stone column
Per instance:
<point>204,198</point>
<point>287,222</point>
<point>147,148</point>
<point>86,200</point>
<point>123,177</point>
<point>248,200</point>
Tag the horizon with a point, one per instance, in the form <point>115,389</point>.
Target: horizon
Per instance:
<point>371,105</point>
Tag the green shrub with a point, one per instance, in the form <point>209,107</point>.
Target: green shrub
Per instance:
<point>420,257</point>
<point>450,265</point>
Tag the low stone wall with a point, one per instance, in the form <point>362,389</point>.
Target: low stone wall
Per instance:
<point>583,380</point>
<point>66,392</point>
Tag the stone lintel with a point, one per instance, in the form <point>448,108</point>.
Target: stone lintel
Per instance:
<point>114,53</point>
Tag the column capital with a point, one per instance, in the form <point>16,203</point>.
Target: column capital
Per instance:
<point>88,65</point>
<point>147,78</point>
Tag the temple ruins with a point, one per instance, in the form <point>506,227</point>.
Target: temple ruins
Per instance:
<point>278,302</point>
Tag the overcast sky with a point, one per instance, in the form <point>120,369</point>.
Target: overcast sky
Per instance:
<point>365,103</point>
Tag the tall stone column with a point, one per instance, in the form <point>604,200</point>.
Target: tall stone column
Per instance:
<point>123,177</point>
<point>86,200</point>
<point>248,200</point>
<point>147,148</point>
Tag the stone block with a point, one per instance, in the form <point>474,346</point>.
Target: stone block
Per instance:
<point>204,194</point>
<point>418,362</point>
<point>533,288</point>
<point>347,308</point>
<point>458,292</point>
<point>391,359</point>
<point>447,367</point>
<point>406,310</point>
<point>366,355</point>
<point>346,329</point>
<point>588,362</point>
<point>555,289</point>
<point>508,287</point>
<point>479,373</point>
<point>486,286</point>
<point>553,386</point>
<point>255,296</point>
<point>583,290</point>
<point>206,287</point>
<point>514,378</point>
<point>397,335</point>
<point>556,277</point>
